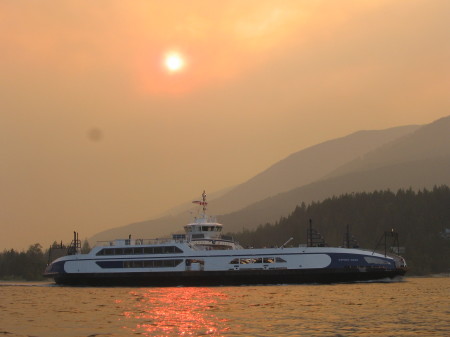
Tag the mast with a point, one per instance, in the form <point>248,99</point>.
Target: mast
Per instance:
<point>314,238</point>
<point>203,202</point>
<point>347,237</point>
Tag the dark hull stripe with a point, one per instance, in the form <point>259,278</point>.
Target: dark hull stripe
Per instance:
<point>216,278</point>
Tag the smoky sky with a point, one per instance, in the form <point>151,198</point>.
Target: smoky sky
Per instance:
<point>96,133</point>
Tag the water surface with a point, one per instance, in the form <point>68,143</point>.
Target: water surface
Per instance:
<point>412,307</point>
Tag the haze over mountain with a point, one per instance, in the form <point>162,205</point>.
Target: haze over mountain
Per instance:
<point>428,142</point>
<point>298,169</point>
<point>418,174</point>
<point>417,160</point>
<point>306,166</point>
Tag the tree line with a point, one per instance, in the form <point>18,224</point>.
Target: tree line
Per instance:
<point>422,219</point>
<point>29,265</point>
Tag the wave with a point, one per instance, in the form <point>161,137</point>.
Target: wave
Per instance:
<point>27,284</point>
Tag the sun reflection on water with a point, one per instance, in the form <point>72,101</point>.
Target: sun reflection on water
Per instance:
<point>175,312</point>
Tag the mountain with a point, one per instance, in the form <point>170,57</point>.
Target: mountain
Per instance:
<point>416,175</point>
<point>429,141</point>
<point>418,160</point>
<point>298,169</point>
<point>306,166</point>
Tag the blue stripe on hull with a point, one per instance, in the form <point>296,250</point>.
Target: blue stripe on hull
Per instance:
<point>345,260</point>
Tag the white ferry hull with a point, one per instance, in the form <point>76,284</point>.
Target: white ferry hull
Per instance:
<point>226,278</point>
<point>239,267</point>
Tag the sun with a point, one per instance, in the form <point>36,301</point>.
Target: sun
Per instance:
<point>174,62</point>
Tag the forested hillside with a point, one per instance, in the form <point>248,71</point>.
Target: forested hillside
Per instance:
<point>29,265</point>
<point>420,218</point>
<point>26,265</point>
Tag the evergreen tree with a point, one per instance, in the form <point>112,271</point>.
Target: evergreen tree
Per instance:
<point>419,217</point>
<point>85,248</point>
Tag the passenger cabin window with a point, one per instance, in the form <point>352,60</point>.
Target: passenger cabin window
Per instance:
<point>128,251</point>
<point>140,264</point>
<point>140,250</point>
<point>248,260</point>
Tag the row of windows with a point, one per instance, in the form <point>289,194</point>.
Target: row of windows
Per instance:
<point>140,250</point>
<point>198,228</point>
<point>151,263</point>
<point>175,262</point>
<point>140,264</point>
<point>257,260</point>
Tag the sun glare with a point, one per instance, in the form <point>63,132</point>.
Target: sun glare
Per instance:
<point>173,62</point>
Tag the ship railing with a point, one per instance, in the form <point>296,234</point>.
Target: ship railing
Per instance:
<point>137,242</point>
<point>75,245</point>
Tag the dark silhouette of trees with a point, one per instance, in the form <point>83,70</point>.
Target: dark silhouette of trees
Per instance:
<point>85,248</point>
<point>25,265</point>
<point>420,218</point>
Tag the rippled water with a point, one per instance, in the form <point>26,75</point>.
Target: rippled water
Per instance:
<point>413,307</point>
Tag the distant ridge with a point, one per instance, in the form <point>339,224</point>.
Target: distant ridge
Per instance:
<point>429,141</point>
<point>418,160</point>
<point>306,166</point>
<point>416,175</point>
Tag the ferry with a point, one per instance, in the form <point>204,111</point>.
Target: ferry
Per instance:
<point>203,256</point>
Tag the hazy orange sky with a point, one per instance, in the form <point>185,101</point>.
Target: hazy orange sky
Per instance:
<point>97,133</point>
